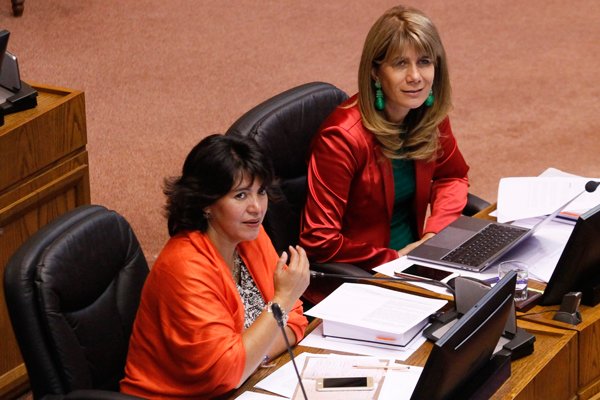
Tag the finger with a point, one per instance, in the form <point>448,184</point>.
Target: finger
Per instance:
<point>301,251</point>
<point>303,259</point>
<point>282,260</point>
<point>293,257</point>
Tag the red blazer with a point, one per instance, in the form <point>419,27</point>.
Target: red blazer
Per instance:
<point>351,192</point>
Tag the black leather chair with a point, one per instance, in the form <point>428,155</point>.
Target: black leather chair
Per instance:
<point>72,291</point>
<point>283,126</point>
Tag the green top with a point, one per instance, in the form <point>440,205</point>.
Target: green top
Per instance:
<point>402,227</point>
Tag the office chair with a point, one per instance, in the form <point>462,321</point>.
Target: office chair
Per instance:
<point>72,292</point>
<point>283,127</point>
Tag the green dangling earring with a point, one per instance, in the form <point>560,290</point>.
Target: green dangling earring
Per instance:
<point>430,99</point>
<point>379,100</point>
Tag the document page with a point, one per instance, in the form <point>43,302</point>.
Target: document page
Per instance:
<point>528,197</point>
<point>376,308</point>
<point>284,380</point>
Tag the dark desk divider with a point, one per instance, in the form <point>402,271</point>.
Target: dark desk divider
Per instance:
<point>517,342</point>
<point>487,381</point>
<point>25,98</point>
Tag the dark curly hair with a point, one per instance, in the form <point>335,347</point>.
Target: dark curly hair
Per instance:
<point>209,172</point>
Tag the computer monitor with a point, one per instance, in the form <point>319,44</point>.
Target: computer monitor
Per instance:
<point>468,346</point>
<point>4,35</point>
<point>578,269</point>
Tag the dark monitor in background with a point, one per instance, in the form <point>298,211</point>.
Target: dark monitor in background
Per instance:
<point>578,269</point>
<point>15,95</point>
<point>10,77</point>
<point>4,35</point>
<point>467,347</point>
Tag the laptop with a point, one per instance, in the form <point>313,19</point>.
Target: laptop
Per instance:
<point>474,244</point>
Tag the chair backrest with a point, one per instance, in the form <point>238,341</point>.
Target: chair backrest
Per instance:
<point>283,126</point>
<point>72,291</point>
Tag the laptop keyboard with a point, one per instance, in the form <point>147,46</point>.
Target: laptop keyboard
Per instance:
<point>483,245</point>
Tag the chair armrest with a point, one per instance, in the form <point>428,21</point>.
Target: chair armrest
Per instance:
<point>474,205</point>
<point>341,269</point>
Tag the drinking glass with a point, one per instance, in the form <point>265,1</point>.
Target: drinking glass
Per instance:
<point>522,276</point>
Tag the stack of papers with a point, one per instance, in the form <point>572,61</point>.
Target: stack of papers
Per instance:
<point>529,197</point>
<point>374,315</point>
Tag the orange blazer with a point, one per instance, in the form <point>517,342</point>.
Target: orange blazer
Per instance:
<point>187,336</point>
<point>351,192</point>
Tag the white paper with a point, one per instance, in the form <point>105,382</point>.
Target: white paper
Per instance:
<point>541,251</point>
<point>528,197</point>
<point>317,340</point>
<point>400,385</point>
<point>248,395</point>
<point>374,307</point>
<point>284,380</point>
<point>339,366</point>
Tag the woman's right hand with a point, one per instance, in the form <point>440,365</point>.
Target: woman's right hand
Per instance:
<point>292,280</point>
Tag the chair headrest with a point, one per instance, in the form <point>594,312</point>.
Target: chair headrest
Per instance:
<point>284,124</point>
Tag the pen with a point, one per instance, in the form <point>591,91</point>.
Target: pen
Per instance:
<point>489,281</point>
<point>397,367</point>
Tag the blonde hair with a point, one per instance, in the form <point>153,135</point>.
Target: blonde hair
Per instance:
<point>417,136</point>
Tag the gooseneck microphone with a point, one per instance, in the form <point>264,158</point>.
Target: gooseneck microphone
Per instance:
<point>591,186</point>
<point>278,314</point>
<point>317,274</point>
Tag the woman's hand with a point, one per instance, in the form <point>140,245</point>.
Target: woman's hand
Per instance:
<point>405,250</point>
<point>291,281</point>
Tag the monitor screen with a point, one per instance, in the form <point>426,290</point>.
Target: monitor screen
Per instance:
<point>578,269</point>
<point>4,35</point>
<point>467,347</point>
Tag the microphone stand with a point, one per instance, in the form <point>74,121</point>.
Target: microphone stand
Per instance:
<point>278,314</point>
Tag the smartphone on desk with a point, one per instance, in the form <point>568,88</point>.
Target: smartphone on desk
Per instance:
<point>345,383</point>
<point>423,272</point>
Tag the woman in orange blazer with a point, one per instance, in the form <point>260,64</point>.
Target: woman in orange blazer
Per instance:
<point>387,157</point>
<point>205,320</point>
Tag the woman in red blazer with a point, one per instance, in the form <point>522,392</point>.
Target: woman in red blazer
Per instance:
<point>385,172</point>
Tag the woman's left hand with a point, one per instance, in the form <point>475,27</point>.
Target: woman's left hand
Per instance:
<point>405,250</point>
<point>291,281</point>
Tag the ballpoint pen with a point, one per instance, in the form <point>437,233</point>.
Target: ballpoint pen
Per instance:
<point>393,366</point>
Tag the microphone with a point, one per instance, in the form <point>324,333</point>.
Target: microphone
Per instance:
<point>317,274</point>
<point>591,186</point>
<point>278,314</point>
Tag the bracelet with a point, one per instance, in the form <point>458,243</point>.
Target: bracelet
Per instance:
<point>269,309</point>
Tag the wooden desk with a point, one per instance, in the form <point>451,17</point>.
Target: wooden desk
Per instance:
<point>588,344</point>
<point>548,373</point>
<point>588,337</point>
<point>43,173</point>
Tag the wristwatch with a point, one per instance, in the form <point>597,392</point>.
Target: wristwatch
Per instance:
<point>284,315</point>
